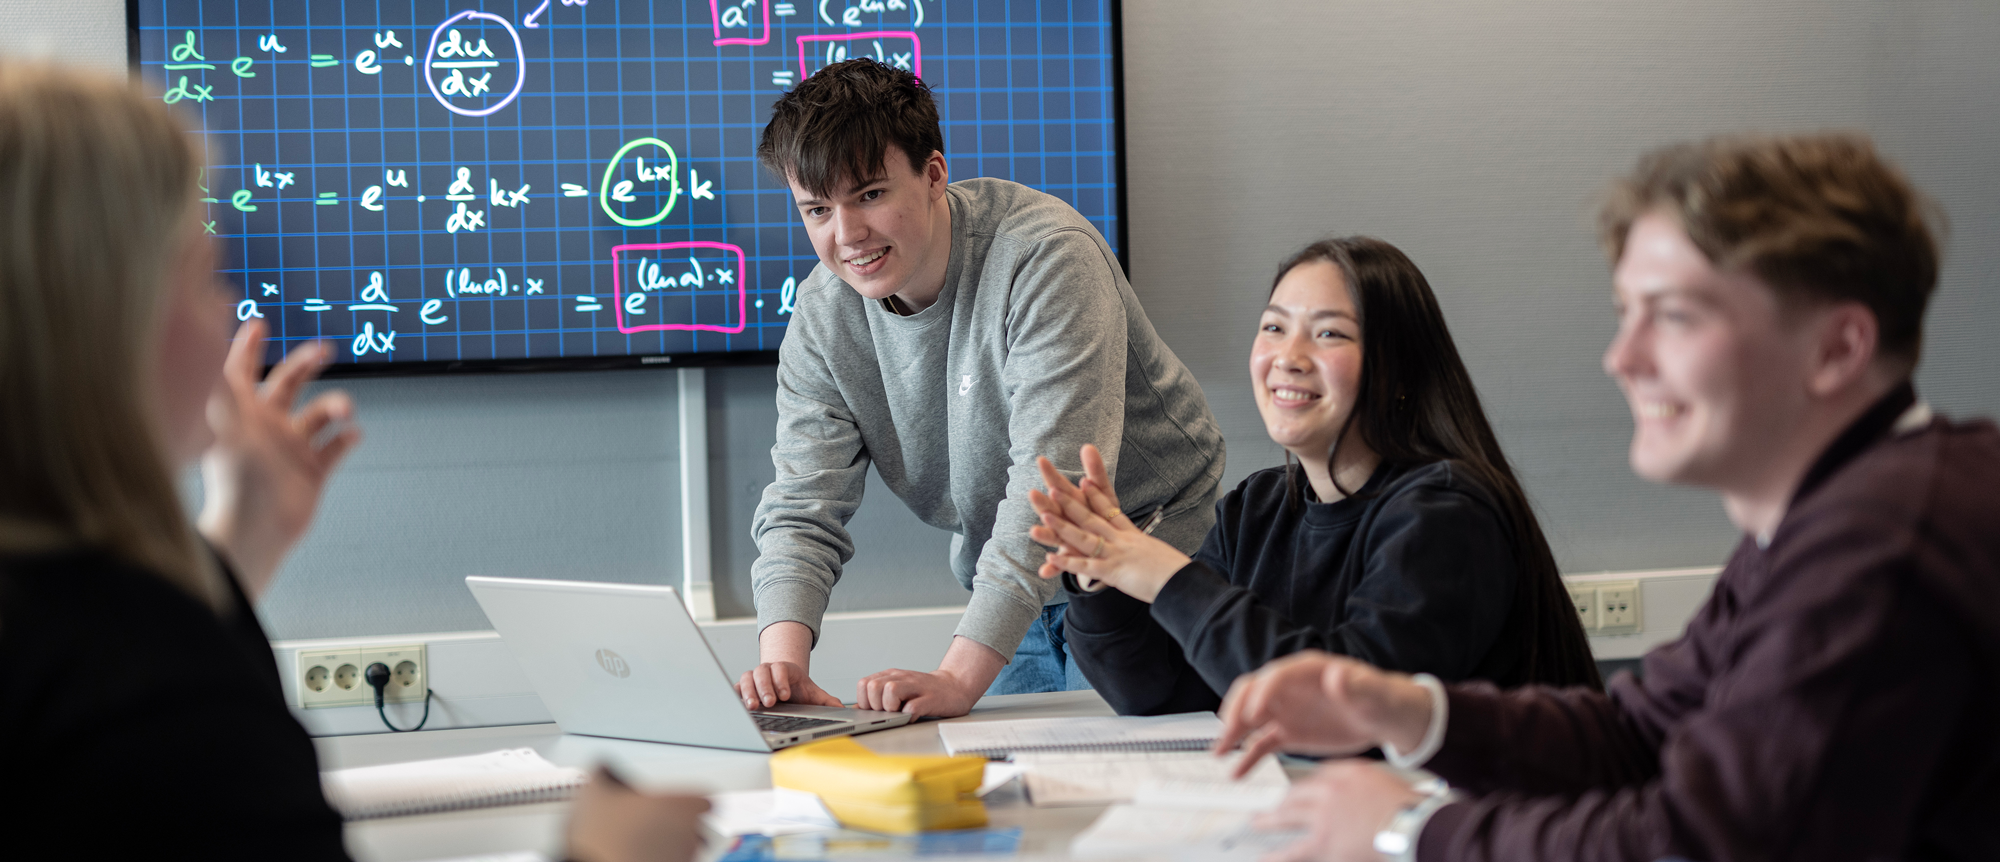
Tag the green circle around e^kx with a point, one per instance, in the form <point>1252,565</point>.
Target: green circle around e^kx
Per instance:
<point>611,170</point>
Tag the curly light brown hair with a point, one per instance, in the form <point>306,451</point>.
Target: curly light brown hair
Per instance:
<point>1820,218</point>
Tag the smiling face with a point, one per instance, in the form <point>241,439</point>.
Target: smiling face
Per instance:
<point>1714,377</point>
<point>193,340</point>
<point>889,234</point>
<point>1305,367</point>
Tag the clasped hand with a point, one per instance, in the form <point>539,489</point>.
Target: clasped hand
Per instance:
<point>1093,538</point>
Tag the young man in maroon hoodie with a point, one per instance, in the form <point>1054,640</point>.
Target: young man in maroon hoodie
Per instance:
<point>1836,697</point>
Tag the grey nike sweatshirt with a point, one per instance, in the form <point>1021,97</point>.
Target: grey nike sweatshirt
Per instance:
<point>1036,346</point>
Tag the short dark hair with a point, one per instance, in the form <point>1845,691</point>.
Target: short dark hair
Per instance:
<point>1821,217</point>
<point>838,125</point>
<point>1416,404</point>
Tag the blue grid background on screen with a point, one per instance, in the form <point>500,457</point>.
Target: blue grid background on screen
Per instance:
<point>375,189</point>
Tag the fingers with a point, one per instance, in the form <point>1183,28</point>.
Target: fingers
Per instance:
<point>1075,537</point>
<point>784,675</point>
<point>1058,484</point>
<point>1048,538</point>
<point>246,353</point>
<point>1262,741</point>
<point>1234,727</point>
<point>1095,474</point>
<point>335,449</point>
<point>766,687</point>
<point>321,412</point>
<point>1105,506</point>
<point>298,368</point>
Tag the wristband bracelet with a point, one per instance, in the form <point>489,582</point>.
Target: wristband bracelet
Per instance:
<point>1397,842</point>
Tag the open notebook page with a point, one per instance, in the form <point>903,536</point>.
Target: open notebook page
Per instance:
<point>1188,731</point>
<point>1191,779</point>
<point>505,777</point>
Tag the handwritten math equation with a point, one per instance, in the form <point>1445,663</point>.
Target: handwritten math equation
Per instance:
<point>396,172</point>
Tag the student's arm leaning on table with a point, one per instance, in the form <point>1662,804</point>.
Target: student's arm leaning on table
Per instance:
<point>1794,757</point>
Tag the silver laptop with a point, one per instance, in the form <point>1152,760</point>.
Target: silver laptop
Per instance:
<point>626,661</point>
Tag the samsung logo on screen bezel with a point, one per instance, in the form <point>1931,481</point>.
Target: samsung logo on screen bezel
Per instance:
<point>655,360</point>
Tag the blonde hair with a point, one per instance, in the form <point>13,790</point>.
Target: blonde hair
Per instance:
<point>97,199</point>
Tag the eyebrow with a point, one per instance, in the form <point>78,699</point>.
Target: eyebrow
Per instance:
<point>1316,315</point>
<point>855,190</point>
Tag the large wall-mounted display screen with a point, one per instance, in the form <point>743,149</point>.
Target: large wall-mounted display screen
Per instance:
<point>439,184</point>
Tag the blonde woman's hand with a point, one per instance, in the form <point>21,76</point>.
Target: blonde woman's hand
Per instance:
<point>611,822</point>
<point>263,477</point>
<point>1093,538</point>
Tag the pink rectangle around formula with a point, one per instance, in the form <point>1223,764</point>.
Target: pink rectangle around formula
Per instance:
<point>618,292</point>
<point>916,47</point>
<point>763,36</point>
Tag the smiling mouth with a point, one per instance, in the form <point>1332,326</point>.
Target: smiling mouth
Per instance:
<point>868,258</point>
<point>1659,410</point>
<point>1292,396</point>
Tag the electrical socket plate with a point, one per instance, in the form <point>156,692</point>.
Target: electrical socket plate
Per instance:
<point>1585,600</point>
<point>1618,608</point>
<point>332,676</point>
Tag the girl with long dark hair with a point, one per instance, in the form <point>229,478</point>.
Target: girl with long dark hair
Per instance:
<point>1400,536</point>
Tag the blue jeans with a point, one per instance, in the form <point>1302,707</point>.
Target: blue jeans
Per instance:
<point>1042,662</point>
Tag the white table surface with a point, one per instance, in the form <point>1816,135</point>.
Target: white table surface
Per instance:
<point>657,766</point>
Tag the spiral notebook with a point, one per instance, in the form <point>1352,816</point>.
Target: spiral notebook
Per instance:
<point>508,777</point>
<point>1187,731</point>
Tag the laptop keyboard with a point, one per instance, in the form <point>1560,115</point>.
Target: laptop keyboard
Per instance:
<point>788,723</point>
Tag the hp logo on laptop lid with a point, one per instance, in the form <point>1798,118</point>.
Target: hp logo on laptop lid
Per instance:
<point>613,663</point>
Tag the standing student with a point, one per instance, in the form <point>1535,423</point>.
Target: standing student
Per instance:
<point>1835,698</point>
<point>950,332</point>
<point>138,693</point>
<point>1400,537</point>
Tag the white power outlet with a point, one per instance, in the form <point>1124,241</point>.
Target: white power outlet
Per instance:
<point>333,676</point>
<point>1618,608</point>
<point>1585,600</point>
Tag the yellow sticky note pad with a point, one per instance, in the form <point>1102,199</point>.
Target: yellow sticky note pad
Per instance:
<point>897,794</point>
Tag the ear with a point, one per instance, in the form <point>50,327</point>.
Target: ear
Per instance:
<point>1846,341</point>
<point>937,174</point>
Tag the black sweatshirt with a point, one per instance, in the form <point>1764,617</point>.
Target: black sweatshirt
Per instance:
<point>1415,573</point>
<point>139,724</point>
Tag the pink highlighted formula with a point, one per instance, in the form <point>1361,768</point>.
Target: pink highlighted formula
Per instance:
<point>913,61</point>
<point>683,284</point>
<point>736,19</point>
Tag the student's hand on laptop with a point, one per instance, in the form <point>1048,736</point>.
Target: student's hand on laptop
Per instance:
<point>611,822</point>
<point>775,682</point>
<point>1093,538</point>
<point>1315,703</point>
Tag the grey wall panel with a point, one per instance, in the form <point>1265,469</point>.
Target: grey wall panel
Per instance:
<point>899,561</point>
<point>536,475</point>
<point>90,32</point>
<point>1477,137</point>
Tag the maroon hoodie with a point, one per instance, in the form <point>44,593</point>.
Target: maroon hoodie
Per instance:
<point>1837,698</point>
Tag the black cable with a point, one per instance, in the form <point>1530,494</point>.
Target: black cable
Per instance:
<point>377,676</point>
